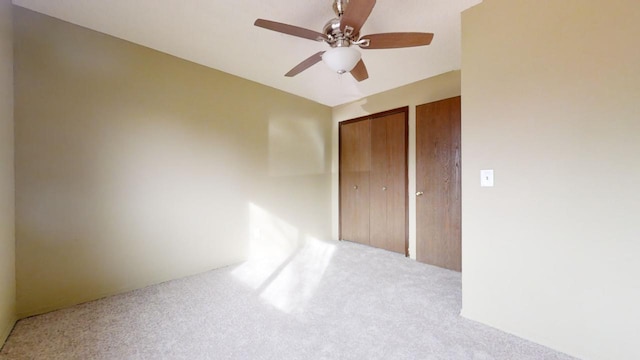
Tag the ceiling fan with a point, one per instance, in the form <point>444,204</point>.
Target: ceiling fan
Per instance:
<point>341,34</point>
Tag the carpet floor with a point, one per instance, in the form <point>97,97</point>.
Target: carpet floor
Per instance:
<point>326,300</point>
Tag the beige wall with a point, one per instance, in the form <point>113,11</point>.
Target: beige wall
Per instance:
<point>7,239</point>
<point>422,92</point>
<point>134,167</point>
<point>550,93</point>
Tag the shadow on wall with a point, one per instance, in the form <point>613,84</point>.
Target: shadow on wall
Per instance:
<point>297,146</point>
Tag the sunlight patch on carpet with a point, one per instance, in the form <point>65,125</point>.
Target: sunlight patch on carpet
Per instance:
<point>283,265</point>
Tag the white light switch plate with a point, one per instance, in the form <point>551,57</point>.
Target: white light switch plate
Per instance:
<point>486,178</point>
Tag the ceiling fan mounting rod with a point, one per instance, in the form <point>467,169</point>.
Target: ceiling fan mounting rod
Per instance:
<point>340,6</point>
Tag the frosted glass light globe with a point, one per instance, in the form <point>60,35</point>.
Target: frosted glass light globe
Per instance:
<point>341,59</point>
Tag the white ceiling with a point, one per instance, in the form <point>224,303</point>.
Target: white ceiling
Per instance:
<point>220,34</point>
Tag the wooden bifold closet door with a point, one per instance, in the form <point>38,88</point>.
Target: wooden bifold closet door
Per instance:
<point>373,180</point>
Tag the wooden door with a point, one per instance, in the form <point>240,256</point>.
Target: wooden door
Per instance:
<point>438,208</point>
<point>388,182</point>
<point>355,161</point>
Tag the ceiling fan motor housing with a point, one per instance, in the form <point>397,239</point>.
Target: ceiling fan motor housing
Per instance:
<point>336,37</point>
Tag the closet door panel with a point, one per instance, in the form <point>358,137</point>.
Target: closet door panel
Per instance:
<point>389,182</point>
<point>355,154</point>
<point>380,232</point>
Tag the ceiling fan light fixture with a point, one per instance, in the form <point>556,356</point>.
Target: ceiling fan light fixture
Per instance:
<point>341,59</point>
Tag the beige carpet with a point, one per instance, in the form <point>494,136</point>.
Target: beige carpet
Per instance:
<point>324,301</point>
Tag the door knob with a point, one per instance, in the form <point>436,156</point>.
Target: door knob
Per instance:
<point>419,193</point>
<point>355,187</point>
<point>384,188</point>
